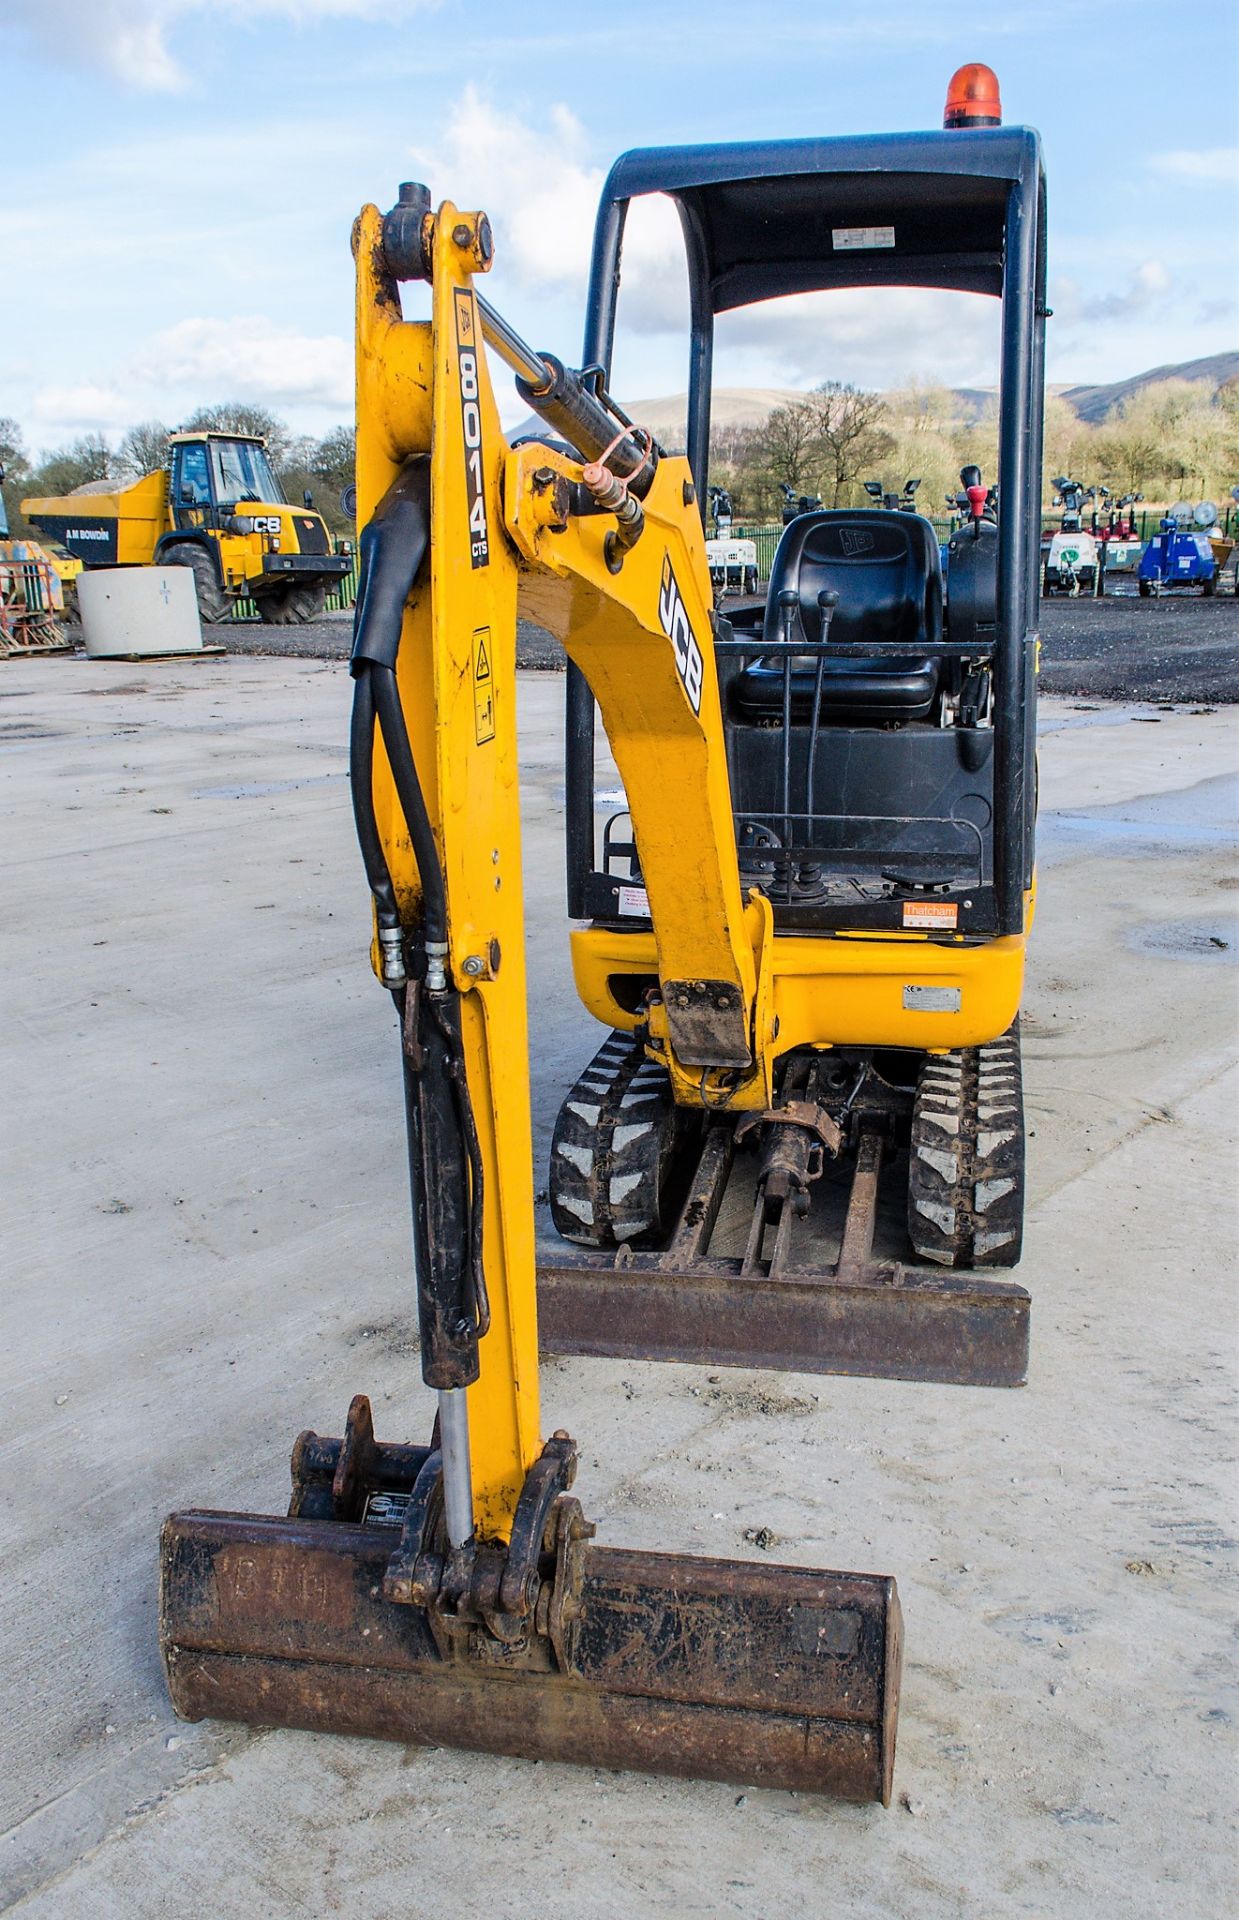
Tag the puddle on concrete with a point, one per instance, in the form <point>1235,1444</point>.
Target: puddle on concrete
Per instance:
<point>1204,814</point>
<point>1213,941</point>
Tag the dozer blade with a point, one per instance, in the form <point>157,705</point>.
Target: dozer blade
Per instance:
<point>892,1323</point>
<point>757,1675</point>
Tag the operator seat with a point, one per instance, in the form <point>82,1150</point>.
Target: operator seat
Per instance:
<point>886,570</point>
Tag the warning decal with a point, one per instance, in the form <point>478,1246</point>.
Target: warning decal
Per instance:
<point>471,424</point>
<point>483,687</point>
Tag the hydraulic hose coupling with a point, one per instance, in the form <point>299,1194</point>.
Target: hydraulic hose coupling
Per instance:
<point>611,494</point>
<point>391,956</point>
<point>436,969</point>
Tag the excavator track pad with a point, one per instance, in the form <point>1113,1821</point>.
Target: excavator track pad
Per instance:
<point>664,1663</point>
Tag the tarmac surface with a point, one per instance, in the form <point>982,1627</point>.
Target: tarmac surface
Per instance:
<point>205,1251</point>
<point>1179,647</point>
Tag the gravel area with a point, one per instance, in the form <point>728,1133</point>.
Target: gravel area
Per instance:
<point>1120,648</point>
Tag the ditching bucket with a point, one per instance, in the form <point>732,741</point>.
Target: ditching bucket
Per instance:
<point>758,1675</point>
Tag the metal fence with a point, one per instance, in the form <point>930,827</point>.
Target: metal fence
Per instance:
<point>765,536</point>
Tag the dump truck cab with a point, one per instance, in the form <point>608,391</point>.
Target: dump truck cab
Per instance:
<point>224,497</point>
<point>218,507</point>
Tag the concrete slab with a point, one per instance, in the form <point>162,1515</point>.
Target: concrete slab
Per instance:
<point>205,1250</point>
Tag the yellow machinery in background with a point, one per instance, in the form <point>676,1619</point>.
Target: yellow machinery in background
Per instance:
<point>452,1593</point>
<point>219,509</point>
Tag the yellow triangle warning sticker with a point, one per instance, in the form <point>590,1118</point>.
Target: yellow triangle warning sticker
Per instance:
<point>481,664</point>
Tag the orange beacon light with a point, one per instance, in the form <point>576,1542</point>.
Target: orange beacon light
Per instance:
<point>973,99</point>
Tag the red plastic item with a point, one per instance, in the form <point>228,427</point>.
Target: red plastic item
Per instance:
<point>976,501</point>
<point>973,99</point>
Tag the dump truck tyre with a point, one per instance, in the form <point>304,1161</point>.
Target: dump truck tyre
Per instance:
<point>291,606</point>
<point>214,604</point>
<point>966,1156</point>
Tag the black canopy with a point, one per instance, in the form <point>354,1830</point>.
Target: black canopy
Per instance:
<point>791,216</point>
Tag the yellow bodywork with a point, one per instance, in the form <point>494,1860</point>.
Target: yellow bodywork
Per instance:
<point>501,535</point>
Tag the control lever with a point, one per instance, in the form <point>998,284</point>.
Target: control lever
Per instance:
<point>827,602</point>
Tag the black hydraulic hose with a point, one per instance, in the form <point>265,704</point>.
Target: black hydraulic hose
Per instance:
<point>445,1156</point>
<point>445,1011</point>
<point>361,779</point>
<point>393,547</point>
<point>412,802</point>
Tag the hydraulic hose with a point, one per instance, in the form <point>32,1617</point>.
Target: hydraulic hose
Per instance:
<point>393,547</point>
<point>445,1159</point>
<point>361,779</point>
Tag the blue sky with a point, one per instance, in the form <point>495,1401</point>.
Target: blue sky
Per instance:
<point>180,178</point>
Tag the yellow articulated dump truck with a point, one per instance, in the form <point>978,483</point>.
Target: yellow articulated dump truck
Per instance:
<point>217,507</point>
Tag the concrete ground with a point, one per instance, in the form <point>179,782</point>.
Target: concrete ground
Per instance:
<point>206,1250</point>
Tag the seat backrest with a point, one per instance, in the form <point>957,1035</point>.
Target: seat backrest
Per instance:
<point>885,568</point>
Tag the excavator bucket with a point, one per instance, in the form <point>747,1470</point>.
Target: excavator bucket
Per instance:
<point>664,1663</point>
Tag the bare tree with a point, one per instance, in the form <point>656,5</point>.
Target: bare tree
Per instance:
<point>238,416</point>
<point>848,426</point>
<point>143,449</point>
<point>790,445</point>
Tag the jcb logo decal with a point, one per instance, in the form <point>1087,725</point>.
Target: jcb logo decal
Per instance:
<point>673,616</point>
<point>471,424</point>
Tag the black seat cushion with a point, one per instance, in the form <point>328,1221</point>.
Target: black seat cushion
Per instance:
<point>886,570</point>
<point>880,689</point>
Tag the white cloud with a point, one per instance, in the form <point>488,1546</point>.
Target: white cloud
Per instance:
<point>197,362</point>
<point>85,407</point>
<point>130,38</point>
<point>534,181</point>
<point>871,336</point>
<point>541,190</point>
<point>1148,291</point>
<point>250,359</point>
<point>1219,164</point>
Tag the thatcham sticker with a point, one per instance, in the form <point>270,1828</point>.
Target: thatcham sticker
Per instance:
<point>471,424</point>
<point>673,616</point>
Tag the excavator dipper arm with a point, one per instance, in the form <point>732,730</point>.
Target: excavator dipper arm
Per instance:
<point>451,1593</point>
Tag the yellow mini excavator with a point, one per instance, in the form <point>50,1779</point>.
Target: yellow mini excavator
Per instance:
<point>809,945</point>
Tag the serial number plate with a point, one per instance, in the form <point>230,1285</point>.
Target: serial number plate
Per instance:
<point>932,999</point>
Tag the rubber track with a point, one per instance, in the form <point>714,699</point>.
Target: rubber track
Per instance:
<point>966,1158</point>
<point>612,1148</point>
